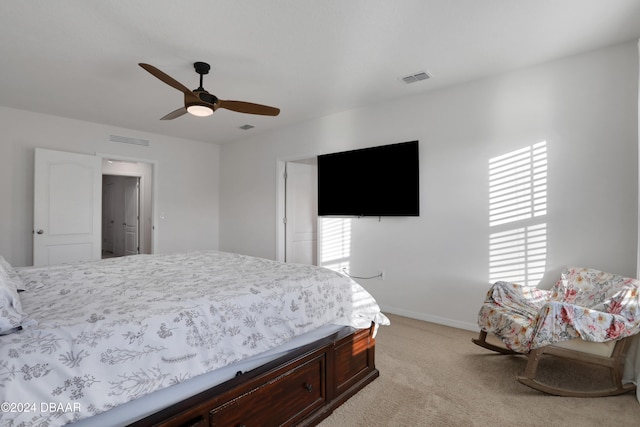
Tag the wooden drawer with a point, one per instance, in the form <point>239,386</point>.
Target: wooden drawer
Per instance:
<point>353,360</point>
<point>287,397</point>
<point>186,419</point>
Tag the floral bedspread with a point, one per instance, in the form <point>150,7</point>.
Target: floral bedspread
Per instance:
<point>106,332</point>
<point>585,303</point>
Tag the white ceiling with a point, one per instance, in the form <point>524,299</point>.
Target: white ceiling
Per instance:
<point>310,58</point>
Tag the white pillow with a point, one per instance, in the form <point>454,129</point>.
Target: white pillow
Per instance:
<point>8,270</point>
<point>11,314</point>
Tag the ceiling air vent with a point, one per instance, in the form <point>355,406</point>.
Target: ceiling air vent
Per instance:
<point>128,140</point>
<point>413,78</point>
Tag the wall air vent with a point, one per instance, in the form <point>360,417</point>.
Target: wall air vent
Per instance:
<point>413,78</point>
<point>129,140</point>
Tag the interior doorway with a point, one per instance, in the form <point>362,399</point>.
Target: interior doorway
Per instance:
<point>67,212</point>
<point>126,208</point>
<point>120,215</point>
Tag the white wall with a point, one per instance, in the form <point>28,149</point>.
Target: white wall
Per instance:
<point>185,179</point>
<point>436,265</point>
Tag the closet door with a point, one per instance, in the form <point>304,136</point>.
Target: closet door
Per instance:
<point>301,213</point>
<point>66,208</point>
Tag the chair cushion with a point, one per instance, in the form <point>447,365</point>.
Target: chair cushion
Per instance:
<point>603,349</point>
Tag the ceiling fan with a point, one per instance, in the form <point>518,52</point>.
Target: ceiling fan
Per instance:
<point>201,103</point>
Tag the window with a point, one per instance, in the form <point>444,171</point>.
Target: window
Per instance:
<point>335,250</point>
<point>517,209</point>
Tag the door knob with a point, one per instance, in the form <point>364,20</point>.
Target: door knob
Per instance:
<point>40,231</point>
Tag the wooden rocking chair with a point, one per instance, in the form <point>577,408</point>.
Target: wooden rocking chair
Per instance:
<point>616,350</point>
<point>589,303</point>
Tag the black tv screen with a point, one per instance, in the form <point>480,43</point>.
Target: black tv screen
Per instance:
<point>376,181</point>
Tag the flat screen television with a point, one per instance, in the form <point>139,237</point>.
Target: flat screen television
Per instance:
<point>376,181</point>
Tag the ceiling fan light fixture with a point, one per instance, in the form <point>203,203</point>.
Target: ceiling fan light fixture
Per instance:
<point>199,110</point>
<point>199,102</point>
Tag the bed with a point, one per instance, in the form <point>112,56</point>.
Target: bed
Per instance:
<point>198,338</point>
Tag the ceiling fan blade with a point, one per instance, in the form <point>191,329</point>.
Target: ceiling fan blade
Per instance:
<point>177,113</point>
<point>248,108</point>
<point>166,78</point>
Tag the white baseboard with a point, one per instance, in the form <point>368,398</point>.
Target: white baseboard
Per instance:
<point>428,318</point>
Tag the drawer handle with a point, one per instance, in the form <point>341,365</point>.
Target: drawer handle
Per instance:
<point>194,422</point>
<point>309,387</point>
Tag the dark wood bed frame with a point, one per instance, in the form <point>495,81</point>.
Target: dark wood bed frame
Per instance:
<point>299,389</point>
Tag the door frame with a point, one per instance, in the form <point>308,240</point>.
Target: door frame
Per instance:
<point>154,189</point>
<point>281,193</point>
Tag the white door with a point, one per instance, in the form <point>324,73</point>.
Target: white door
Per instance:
<point>66,207</point>
<point>301,213</point>
<point>131,215</point>
<point>108,218</point>
<point>118,215</point>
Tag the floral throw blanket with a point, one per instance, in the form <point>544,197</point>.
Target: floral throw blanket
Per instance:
<point>103,333</point>
<point>585,303</point>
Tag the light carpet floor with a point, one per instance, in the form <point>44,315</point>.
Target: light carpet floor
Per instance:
<point>433,375</point>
